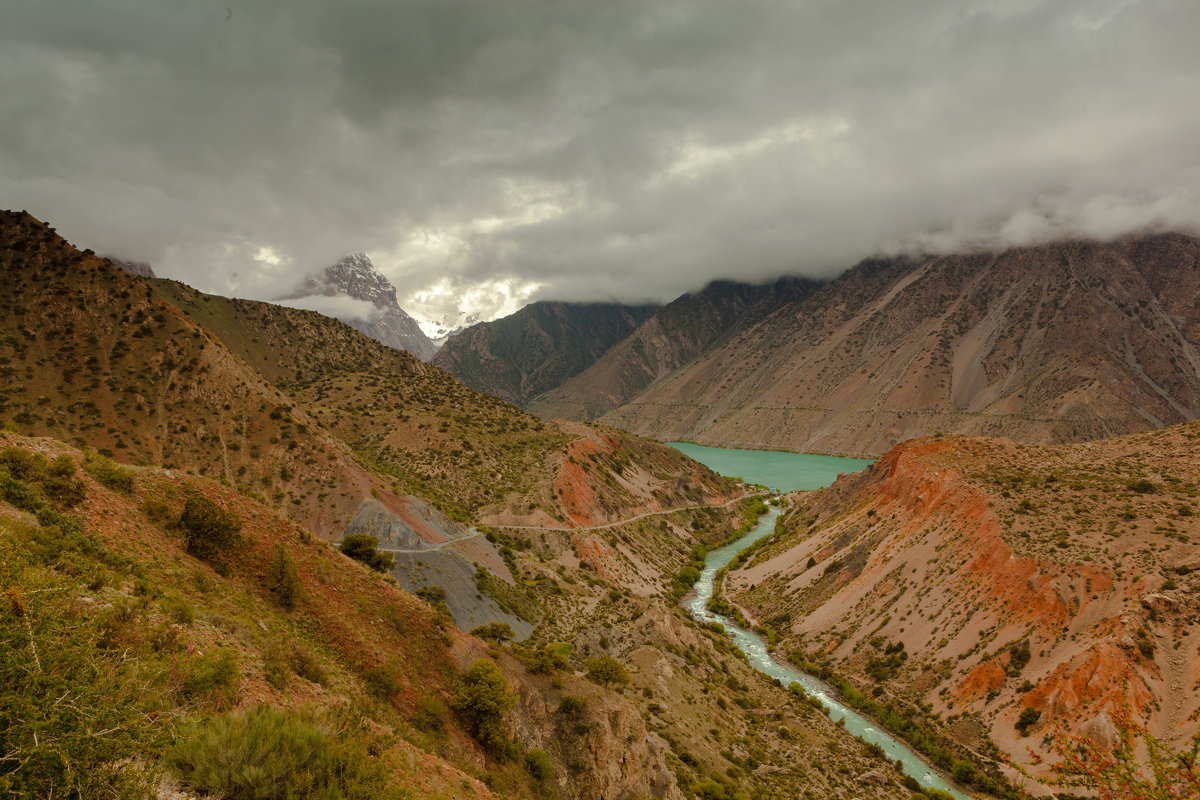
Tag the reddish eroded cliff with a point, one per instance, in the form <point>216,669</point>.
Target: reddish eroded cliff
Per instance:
<point>1015,576</point>
<point>607,477</point>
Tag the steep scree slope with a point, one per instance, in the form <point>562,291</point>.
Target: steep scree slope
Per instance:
<point>1057,343</point>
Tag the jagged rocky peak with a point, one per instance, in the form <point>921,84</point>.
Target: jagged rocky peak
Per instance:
<point>356,277</point>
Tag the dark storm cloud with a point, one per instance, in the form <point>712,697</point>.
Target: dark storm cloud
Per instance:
<point>627,149</point>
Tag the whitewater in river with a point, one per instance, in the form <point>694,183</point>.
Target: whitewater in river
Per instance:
<point>756,650</point>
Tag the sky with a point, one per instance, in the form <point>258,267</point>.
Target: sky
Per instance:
<point>489,153</point>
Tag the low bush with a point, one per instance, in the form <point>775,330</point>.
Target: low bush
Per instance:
<point>306,665</point>
<point>363,547</point>
<point>607,671</point>
<point>539,765</point>
<point>265,753</point>
<point>212,678</point>
<point>1029,716</point>
<point>498,632</point>
<point>109,474</point>
<point>283,579</point>
<point>209,530</point>
<point>431,715</point>
<point>481,700</point>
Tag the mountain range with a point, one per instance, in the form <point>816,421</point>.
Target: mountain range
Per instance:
<point>1055,343</point>
<point>230,528</point>
<point>174,467</point>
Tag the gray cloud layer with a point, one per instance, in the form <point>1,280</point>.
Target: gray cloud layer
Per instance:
<point>626,148</point>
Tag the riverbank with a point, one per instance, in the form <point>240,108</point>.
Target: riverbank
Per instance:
<point>756,650</point>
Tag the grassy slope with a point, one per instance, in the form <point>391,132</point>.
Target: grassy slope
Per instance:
<point>475,456</point>
<point>153,606</point>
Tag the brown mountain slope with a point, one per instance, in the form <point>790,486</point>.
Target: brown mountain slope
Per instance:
<point>286,403</point>
<point>91,355</point>
<point>525,354</point>
<point>1058,343</point>
<point>1012,576</point>
<point>686,329</point>
<point>476,456</point>
<point>149,618</point>
<point>326,425</point>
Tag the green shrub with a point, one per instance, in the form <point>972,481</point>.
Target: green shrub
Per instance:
<point>431,715</point>
<point>109,475</point>
<point>209,530</point>
<point>179,610</point>
<point>212,678</point>
<point>1146,647</point>
<point>539,765</point>
<point>306,665</point>
<point>277,670</point>
<point>547,661</point>
<point>61,690</point>
<point>606,671</point>
<point>362,547</point>
<point>572,706</point>
<point>266,753</point>
<point>31,482</point>
<point>283,579</point>
<point>1029,716</point>
<point>384,680</point>
<point>156,511</point>
<point>498,632</point>
<point>481,700</point>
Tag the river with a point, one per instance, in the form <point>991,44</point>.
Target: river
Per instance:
<point>756,650</point>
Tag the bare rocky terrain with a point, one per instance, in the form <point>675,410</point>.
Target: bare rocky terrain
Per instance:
<point>976,578</point>
<point>1057,343</point>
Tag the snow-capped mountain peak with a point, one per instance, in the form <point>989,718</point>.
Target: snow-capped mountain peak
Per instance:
<point>357,293</point>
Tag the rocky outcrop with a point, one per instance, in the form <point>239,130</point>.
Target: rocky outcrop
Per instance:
<point>425,546</point>
<point>139,268</point>
<point>601,751</point>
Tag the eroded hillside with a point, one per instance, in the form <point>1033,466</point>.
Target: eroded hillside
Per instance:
<point>978,578</point>
<point>1056,343</point>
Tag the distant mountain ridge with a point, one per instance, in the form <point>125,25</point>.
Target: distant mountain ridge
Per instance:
<point>679,332</point>
<point>525,354</point>
<point>356,277</point>
<point>1056,343</point>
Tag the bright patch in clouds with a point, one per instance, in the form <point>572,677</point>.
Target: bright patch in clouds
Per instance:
<point>451,304</point>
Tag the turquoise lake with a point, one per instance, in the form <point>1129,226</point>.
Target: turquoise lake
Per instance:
<point>787,472</point>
